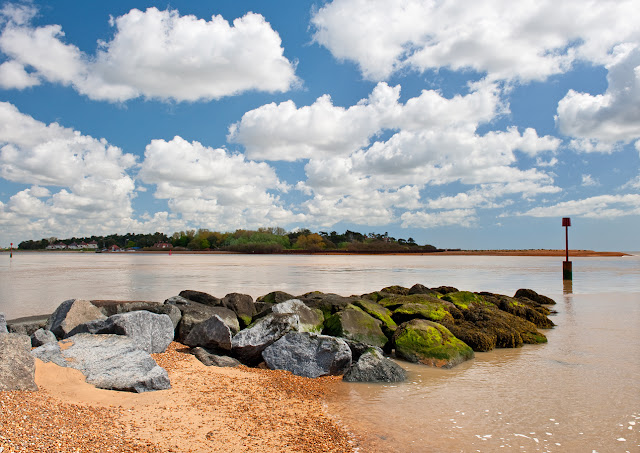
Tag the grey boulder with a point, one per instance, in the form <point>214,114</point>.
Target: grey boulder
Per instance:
<point>70,314</point>
<point>17,366</point>
<point>211,359</point>
<point>194,313</point>
<point>41,336</point>
<point>114,307</point>
<point>249,343</point>
<point>212,333</point>
<point>309,355</point>
<point>27,325</point>
<point>3,324</point>
<point>111,362</point>
<point>375,367</point>
<point>242,305</point>
<point>311,319</point>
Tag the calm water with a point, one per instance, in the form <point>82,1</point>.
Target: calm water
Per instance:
<point>578,393</point>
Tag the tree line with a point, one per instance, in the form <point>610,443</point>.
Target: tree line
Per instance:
<point>262,240</point>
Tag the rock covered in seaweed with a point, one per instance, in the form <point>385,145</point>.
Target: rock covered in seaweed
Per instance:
<point>353,323</point>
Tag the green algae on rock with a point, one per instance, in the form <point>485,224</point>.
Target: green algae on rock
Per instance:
<point>354,324</point>
<point>379,312</point>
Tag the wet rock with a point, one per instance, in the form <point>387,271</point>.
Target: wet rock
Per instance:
<point>430,343</point>
<point>242,305</point>
<point>431,312</point>
<point>111,362</point>
<point>311,319</point>
<point>534,296</point>
<point>353,323</point>
<point>114,307</point>
<point>27,325</point>
<point>445,289</point>
<point>200,297</point>
<point>41,336</point>
<point>523,308</point>
<point>379,312</point>
<point>17,366</point>
<point>248,344</point>
<point>309,355</point>
<point>464,300</point>
<point>373,366</point>
<point>275,297</point>
<point>212,333</point>
<point>421,289</point>
<point>211,359</point>
<point>70,314</point>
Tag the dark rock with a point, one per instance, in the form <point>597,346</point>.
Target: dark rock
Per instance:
<point>445,289</point>
<point>329,303</point>
<point>430,343</point>
<point>194,313</point>
<point>17,366</point>
<point>395,289</point>
<point>353,323</point>
<point>3,324</point>
<point>211,359</point>
<point>357,349</point>
<point>379,312</point>
<point>248,344</point>
<point>534,296</point>
<point>309,355</point>
<point>242,305</point>
<point>41,336</point>
<point>111,362</point>
<point>200,297</point>
<point>27,325</point>
<point>114,307</point>
<point>421,289</point>
<point>70,314</point>
<point>275,297</point>
<point>212,333</point>
<point>523,308</point>
<point>311,319</point>
<point>373,366</point>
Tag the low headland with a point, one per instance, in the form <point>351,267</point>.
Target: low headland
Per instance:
<point>198,373</point>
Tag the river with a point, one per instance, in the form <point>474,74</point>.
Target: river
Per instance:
<point>577,393</point>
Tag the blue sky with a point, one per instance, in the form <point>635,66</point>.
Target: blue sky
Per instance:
<point>460,124</point>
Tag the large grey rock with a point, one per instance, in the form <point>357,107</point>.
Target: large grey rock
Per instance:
<point>311,319</point>
<point>212,333</point>
<point>41,336</point>
<point>17,366</point>
<point>3,324</point>
<point>373,366</point>
<point>242,305</point>
<point>70,314</point>
<point>150,332</point>
<point>27,325</point>
<point>194,313</point>
<point>248,344</point>
<point>211,359</point>
<point>114,307</point>
<point>309,355</point>
<point>357,349</point>
<point>111,362</point>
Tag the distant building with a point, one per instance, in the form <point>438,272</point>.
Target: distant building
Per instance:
<point>74,246</point>
<point>92,245</point>
<point>114,248</point>
<point>162,245</point>
<point>58,246</point>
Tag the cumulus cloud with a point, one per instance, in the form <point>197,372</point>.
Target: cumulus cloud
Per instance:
<point>154,54</point>
<point>600,121</point>
<point>602,206</point>
<point>457,217</point>
<point>513,41</point>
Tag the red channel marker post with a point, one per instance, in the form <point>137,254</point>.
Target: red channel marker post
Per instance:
<point>567,271</point>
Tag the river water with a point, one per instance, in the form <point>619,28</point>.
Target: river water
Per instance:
<point>580,392</point>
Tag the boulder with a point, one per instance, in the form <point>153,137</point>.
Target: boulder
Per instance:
<point>389,291</point>
<point>150,332</point>
<point>432,312</point>
<point>523,308</point>
<point>211,359</point>
<point>445,289</point>
<point>309,355</point>
<point>430,343</point>
<point>379,312</point>
<point>212,333</point>
<point>17,366</point>
<point>27,325</point>
<point>373,366</point>
<point>111,362</point>
<point>357,349</point>
<point>311,319</point>
<point>464,300</point>
<point>329,303</point>
<point>534,296</point>
<point>194,313</point>
<point>114,307</point>
<point>70,314</point>
<point>353,323</point>
<point>200,297</point>
<point>248,344</point>
<point>275,297</point>
<point>421,289</point>
<point>242,305</point>
<point>3,324</point>
<point>41,336</point>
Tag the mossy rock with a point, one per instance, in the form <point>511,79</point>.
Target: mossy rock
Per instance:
<point>354,324</point>
<point>328,303</point>
<point>395,301</point>
<point>377,311</point>
<point>430,343</point>
<point>429,311</point>
<point>534,296</point>
<point>445,290</point>
<point>395,289</point>
<point>464,299</point>
<point>421,289</point>
<point>526,309</point>
<point>275,297</point>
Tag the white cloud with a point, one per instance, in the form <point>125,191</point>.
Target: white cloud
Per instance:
<point>601,120</point>
<point>13,75</point>
<point>601,206</point>
<point>155,54</point>
<point>456,217</point>
<point>589,181</point>
<point>524,40</point>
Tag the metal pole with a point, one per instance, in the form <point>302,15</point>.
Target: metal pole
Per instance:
<point>566,230</point>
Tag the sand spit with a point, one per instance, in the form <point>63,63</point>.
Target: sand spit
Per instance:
<point>208,409</point>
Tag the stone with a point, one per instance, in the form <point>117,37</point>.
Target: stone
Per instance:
<point>445,289</point>
<point>3,324</point>
<point>357,349</point>
<point>41,336</point>
<point>275,297</point>
<point>114,307</point>
<point>211,359</point>
<point>421,289</point>
<point>523,308</point>
<point>329,303</point>
<point>248,344</point>
<point>379,312</point>
<point>111,362</point>
<point>353,323</point>
<point>17,366</point>
<point>242,305</point>
<point>212,333</point>
<point>200,297</point>
<point>308,355</point>
<point>373,366</point>
<point>311,319</point>
<point>70,314</point>
<point>534,296</point>
<point>433,312</point>
<point>194,313</point>
<point>27,325</point>
<point>430,343</point>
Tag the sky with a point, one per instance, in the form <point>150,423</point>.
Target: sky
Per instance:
<point>462,124</point>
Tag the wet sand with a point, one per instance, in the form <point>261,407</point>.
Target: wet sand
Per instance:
<point>208,409</point>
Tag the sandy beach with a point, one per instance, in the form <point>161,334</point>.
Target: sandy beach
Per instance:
<point>208,409</point>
